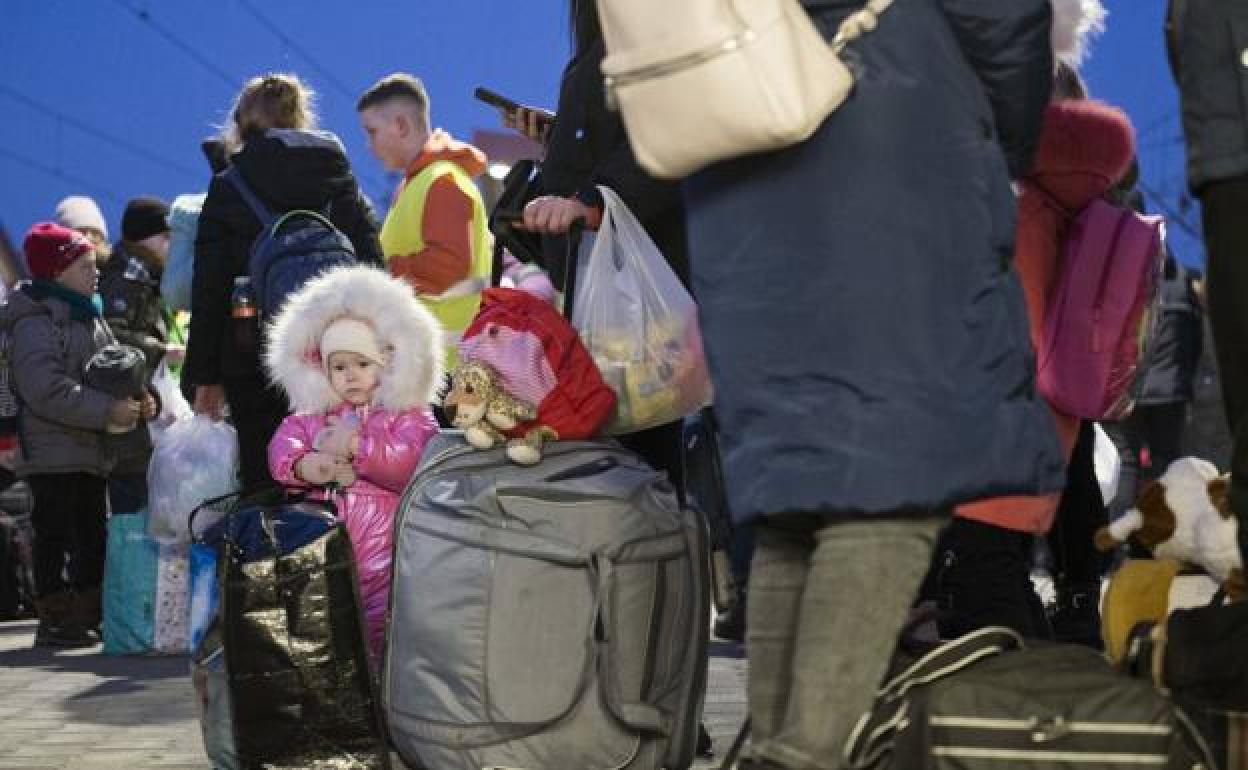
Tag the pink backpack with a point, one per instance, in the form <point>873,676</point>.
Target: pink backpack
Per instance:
<point>1100,314</point>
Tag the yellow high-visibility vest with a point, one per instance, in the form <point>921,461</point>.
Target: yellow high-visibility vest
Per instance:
<point>402,233</point>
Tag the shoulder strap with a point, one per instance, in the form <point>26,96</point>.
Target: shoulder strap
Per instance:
<point>262,212</point>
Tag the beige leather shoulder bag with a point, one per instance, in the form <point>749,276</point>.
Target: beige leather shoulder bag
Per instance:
<point>698,81</point>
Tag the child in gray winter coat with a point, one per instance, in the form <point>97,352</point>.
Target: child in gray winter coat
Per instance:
<point>54,326</point>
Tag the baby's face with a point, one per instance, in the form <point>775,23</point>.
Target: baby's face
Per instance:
<point>353,377</point>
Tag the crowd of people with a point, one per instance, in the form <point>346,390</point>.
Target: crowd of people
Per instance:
<point>870,300</point>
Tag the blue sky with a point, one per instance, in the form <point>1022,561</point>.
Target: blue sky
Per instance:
<point>110,98</point>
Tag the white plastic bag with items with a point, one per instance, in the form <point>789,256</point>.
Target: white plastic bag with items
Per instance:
<point>195,460</point>
<point>173,405</point>
<point>639,324</point>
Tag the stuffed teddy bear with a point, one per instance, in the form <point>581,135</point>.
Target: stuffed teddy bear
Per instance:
<point>1185,516</point>
<point>525,375</point>
<point>478,405</point>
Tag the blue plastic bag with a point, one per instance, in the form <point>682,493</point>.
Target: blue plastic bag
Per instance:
<point>205,596</point>
<point>129,593</point>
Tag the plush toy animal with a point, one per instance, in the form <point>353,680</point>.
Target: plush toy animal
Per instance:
<point>1184,515</point>
<point>478,404</point>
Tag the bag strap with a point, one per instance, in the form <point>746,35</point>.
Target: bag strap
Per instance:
<point>738,743</point>
<point>262,212</point>
<point>861,21</point>
<point>875,734</point>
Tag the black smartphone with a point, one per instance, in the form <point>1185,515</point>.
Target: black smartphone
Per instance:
<point>495,99</point>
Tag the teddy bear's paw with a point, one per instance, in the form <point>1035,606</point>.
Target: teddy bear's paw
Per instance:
<point>521,453</point>
<point>478,438</point>
<point>500,419</point>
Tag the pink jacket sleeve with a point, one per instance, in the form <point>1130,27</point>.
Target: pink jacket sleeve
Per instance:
<point>391,445</point>
<point>292,441</point>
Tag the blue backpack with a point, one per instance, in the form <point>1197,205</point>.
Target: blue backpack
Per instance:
<point>291,249</point>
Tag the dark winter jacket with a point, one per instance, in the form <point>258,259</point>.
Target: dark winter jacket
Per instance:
<point>1174,351</point>
<point>1208,43</point>
<point>588,147</point>
<point>865,328</point>
<point>288,170</point>
<point>130,289</point>
<point>61,422</point>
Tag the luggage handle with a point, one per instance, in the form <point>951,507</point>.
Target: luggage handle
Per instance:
<point>871,739</point>
<point>576,231</point>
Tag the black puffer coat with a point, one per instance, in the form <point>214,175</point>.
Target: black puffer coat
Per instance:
<point>588,147</point>
<point>288,170</point>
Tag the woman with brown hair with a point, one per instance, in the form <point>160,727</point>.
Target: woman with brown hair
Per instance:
<point>272,139</point>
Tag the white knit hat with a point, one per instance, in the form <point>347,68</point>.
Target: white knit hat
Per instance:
<point>351,335</point>
<point>79,211</point>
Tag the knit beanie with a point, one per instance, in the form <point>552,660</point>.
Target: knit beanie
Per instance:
<point>79,211</point>
<point>50,248</point>
<point>351,335</point>
<point>145,216</point>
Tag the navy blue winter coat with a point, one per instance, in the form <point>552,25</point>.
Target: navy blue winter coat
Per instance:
<point>865,329</point>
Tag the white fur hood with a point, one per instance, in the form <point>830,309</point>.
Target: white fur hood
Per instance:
<point>403,325</point>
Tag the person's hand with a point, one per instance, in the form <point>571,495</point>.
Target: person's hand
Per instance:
<point>533,122</point>
<point>175,353</point>
<point>553,215</point>
<point>210,401</point>
<point>317,468</point>
<point>148,408</point>
<point>124,413</point>
<point>344,473</point>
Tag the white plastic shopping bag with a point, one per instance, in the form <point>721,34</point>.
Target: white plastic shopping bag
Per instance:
<point>173,405</point>
<point>1108,464</point>
<point>639,324</point>
<point>195,460</point>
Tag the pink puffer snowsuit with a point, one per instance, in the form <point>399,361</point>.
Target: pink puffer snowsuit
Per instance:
<point>390,448</point>
<point>393,429</point>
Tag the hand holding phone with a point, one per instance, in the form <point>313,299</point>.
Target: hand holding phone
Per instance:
<point>533,122</point>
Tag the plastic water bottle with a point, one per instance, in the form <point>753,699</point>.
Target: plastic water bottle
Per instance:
<point>244,314</point>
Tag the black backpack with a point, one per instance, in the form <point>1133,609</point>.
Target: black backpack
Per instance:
<point>291,249</point>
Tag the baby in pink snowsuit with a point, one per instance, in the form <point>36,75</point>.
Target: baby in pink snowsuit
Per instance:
<point>359,357</point>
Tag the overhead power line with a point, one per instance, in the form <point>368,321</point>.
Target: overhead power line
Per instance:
<point>380,187</point>
<point>277,32</point>
<point>103,136</point>
<point>59,174</point>
<point>203,61</point>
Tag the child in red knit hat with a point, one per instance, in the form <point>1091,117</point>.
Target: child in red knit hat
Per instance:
<point>52,326</point>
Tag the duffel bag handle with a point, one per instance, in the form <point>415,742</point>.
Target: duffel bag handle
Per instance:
<point>875,734</point>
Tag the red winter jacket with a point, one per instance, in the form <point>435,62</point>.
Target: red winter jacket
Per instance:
<point>1086,148</point>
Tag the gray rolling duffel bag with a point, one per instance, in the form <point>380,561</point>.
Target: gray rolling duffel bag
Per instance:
<point>984,701</point>
<point>545,618</point>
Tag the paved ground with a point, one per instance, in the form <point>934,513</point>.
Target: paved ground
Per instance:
<point>79,710</point>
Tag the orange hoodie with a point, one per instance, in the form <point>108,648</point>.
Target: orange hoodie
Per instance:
<point>445,223</point>
<point>1085,148</point>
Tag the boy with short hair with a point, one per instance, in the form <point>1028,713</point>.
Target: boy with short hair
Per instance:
<point>435,235</point>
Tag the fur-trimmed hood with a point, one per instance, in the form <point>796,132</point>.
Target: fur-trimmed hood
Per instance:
<point>403,325</point>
